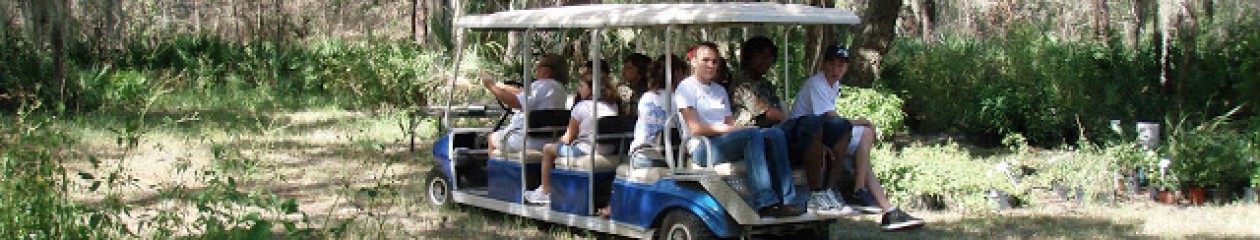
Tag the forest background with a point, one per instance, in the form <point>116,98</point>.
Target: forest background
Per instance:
<point>1047,73</point>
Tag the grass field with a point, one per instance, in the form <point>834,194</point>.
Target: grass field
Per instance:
<point>351,175</point>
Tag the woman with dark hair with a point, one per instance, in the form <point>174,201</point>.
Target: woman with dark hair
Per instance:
<point>634,78</point>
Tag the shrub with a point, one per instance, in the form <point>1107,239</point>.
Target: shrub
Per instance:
<point>1211,154</point>
<point>35,202</point>
<point>947,171</point>
<point>881,108</point>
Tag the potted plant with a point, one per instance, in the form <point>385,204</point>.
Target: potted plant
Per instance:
<point>1164,184</point>
<point>1210,156</point>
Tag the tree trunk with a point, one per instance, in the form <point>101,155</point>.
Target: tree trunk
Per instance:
<point>59,22</point>
<point>878,28</point>
<point>816,37</point>
<point>417,22</point>
<point>925,14</point>
<point>1102,21</point>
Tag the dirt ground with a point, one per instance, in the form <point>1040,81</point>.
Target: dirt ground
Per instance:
<point>356,170</point>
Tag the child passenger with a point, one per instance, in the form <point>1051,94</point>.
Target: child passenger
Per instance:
<point>576,139</point>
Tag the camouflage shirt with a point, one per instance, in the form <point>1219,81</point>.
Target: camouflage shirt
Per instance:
<point>751,98</point>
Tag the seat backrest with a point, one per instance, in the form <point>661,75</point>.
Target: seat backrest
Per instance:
<point>551,118</point>
<point>616,124</point>
<point>548,118</point>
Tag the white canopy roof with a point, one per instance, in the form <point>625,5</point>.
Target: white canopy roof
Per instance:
<point>641,15</point>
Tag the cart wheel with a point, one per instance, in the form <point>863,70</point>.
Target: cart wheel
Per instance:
<point>437,189</point>
<point>683,225</point>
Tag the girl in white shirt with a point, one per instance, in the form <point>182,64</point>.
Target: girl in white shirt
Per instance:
<point>576,139</point>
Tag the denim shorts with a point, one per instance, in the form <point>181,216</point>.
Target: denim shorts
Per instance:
<point>566,150</point>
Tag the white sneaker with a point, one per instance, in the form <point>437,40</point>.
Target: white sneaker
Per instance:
<point>838,205</point>
<point>537,196</point>
<point>818,202</point>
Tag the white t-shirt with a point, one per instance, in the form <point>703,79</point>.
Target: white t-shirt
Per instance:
<point>816,97</point>
<point>651,121</point>
<point>586,123</point>
<point>710,102</point>
<point>544,94</point>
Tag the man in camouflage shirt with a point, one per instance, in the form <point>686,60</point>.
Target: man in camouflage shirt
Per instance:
<point>756,103</point>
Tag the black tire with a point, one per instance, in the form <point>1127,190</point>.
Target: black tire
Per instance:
<point>683,225</point>
<point>437,189</point>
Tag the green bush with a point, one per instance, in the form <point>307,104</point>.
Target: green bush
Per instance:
<point>948,171</point>
<point>1051,90</point>
<point>881,108</point>
<point>1211,154</point>
<point>34,201</point>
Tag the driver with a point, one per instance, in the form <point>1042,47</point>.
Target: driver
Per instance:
<point>546,91</point>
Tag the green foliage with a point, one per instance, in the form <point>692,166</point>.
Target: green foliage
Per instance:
<point>948,171</point>
<point>33,194</point>
<point>1051,90</point>
<point>344,73</point>
<point>881,108</point>
<point>1210,154</point>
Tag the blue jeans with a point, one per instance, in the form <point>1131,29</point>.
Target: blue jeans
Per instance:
<point>764,151</point>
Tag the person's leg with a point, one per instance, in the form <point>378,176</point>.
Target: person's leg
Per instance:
<point>861,155</point>
<point>836,174</point>
<point>748,145</point>
<point>778,164</point>
<point>494,141</point>
<point>550,152</point>
<point>815,166</point>
<point>877,192</point>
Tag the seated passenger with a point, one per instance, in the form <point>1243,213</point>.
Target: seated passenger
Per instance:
<point>817,98</point>
<point>576,139</point>
<point>757,103</point>
<point>705,109</point>
<point>546,91</point>
<point>651,113</point>
<point>651,117</point>
<point>634,70</point>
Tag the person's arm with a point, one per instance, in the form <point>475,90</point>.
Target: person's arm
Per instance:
<point>775,115</point>
<point>504,93</point>
<point>692,119</point>
<point>571,132</point>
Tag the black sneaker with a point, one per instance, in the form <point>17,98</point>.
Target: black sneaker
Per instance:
<point>865,202</point>
<point>896,220</point>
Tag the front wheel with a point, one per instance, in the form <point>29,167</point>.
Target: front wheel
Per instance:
<point>437,189</point>
<point>683,225</point>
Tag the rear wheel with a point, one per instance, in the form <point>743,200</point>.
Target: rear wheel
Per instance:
<point>683,225</point>
<point>437,189</point>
